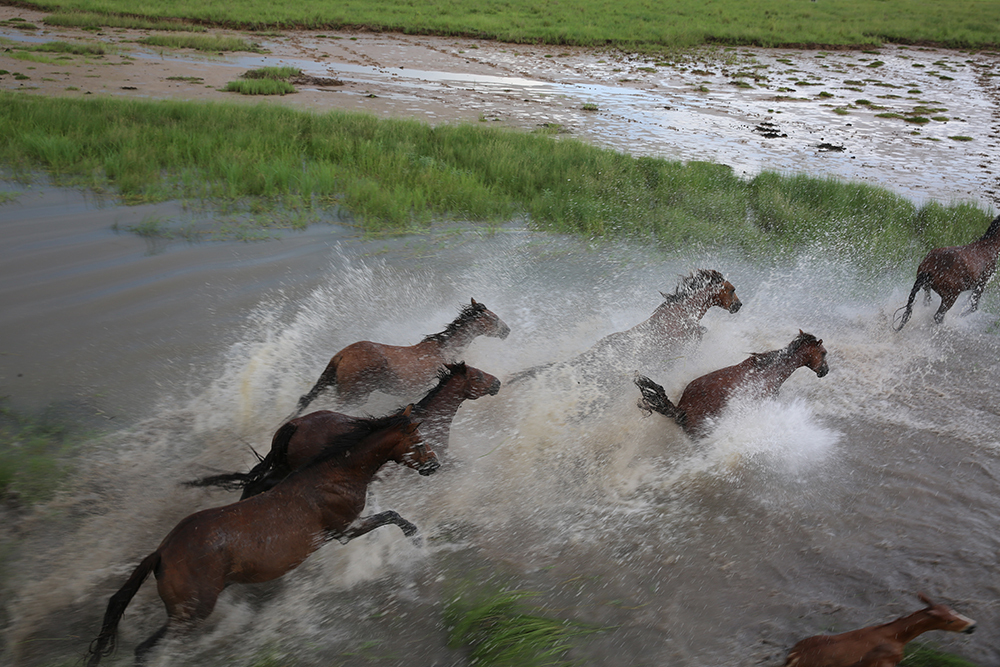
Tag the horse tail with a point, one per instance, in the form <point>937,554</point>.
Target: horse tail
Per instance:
<point>276,461</point>
<point>923,279</point>
<point>327,378</point>
<point>106,640</point>
<point>654,399</point>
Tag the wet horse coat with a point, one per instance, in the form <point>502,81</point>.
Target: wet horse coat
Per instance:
<point>877,645</point>
<point>761,375</point>
<point>303,437</point>
<point>951,271</point>
<point>363,367</point>
<point>262,538</point>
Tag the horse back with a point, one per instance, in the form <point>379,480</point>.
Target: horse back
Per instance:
<point>314,432</point>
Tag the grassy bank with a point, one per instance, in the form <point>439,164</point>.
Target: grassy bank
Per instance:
<point>396,175</point>
<point>628,24</point>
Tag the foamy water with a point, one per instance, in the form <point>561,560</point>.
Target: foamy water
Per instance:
<point>828,506</point>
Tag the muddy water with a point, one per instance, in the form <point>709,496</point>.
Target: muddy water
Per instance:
<point>826,509</point>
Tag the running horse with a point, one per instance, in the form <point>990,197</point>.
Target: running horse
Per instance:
<point>877,645</point>
<point>759,376</point>
<point>363,367</point>
<point>262,538</point>
<point>674,322</point>
<point>953,270</point>
<point>303,437</point>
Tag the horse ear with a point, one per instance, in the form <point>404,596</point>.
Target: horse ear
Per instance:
<point>412,428</point>
<point>474,302</point>
<point>801,332</point>
<point>407,410</point>
<point>926,600</point>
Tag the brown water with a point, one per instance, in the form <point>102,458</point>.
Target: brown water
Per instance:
<point>826,509</point>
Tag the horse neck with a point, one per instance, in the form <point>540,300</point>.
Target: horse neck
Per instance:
<point>689,308</point>
<point>442,402</point>
<point>782,367</point>
<point>453,344</point>
<point>906,628</point>
<point>992,234</point>
<point>368,456</point>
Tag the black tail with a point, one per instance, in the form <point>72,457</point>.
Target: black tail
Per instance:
<point>105,642</point>
<point>274,467</point>
<point>654,399</point>
<point>922,280</point>
<point>230,481</point>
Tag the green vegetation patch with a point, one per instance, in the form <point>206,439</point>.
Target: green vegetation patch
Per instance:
<point>75,48</point>
<point>278,73</point>
<point>924,655</point>
<point>95,20</point>
<point>259,87</point>
<point>34,457</point>
<point>200,42</point>
<point>499,633</point>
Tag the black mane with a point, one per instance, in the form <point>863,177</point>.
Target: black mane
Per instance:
<point>698,280</point>
<point>365,427</point>
<point>469,312</point>
<point>764,359</point>
<point>446,373</point>
<point>992,230</point>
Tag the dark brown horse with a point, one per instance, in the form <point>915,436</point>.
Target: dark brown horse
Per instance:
<point>363,367</point>
<point>674,322</point>
<point>878,645</point>
<point>760,376</point>
<point>951,271</point>
<point>303,437</point>
<point>264,537</point>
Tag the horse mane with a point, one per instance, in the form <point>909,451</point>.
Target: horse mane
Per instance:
<point>694,282</point>
<point>445,373</point>
<point>992,230</point>
<point>364,427</point>
<point>468,313</point>
<point>765,359</point>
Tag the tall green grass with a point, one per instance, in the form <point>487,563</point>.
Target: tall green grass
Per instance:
<point>629,24</point>
<point>499,633</point>
<point>924,655</point>
<point>94,20</point>
<point>201,42</point>
<point>395,175</point>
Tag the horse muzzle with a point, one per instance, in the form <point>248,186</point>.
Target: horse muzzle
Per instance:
<point>735,306</point>
<point>429,467</point>
<point>494,388</point>
<point>969,630</point>
<point>822,371</point>
<point>502,330</point>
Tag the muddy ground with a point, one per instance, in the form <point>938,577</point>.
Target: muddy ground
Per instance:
<point>922,122</point>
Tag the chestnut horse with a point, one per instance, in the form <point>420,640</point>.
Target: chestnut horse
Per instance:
<point>761,376</point>
<point>363,367</point>
<point>675,321</point>
<point>877,645</point>
<point>951,271</point>
<point>264,537</point>
<point>303,437</point>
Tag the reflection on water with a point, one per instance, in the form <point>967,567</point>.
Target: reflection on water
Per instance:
<point>825,509</point>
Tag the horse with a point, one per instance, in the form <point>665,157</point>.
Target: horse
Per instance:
<point>877,645</point>
<point>953,270</point>
<point>761,375</point>
<point>303,437</point>
<point>263,537</point>
<point>674,321</point>
<point>363,367</point>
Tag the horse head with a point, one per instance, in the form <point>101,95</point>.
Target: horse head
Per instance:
<point>813,353</point>
<point>479,383</point>
<point>707,288</point>
<point>726,297</point>
<point>411,451</point>
<point>488,323</point>
<point>946,619</point>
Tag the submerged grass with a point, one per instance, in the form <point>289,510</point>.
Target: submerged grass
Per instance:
<point>627,24</point>
<point>395,175</point>
<point>499,633</point>
<point>34,457</point>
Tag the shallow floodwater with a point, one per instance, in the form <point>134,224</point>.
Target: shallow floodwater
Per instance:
<point>826,509</point>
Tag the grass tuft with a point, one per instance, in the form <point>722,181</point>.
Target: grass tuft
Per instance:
<point>200,42</point>
<point>259,87</point>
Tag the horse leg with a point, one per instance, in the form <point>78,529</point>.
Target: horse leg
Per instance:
<point>370,523</point>
<point>142,649</point>
<point>327,378</point>
<point>947,301</point>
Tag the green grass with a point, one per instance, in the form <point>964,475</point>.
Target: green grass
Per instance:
<point>279,73</point>
<point>259,87</point>
<point>34,457</point>
<point>499,633</point>
<point>923,655</point>
<point>628,24</point>
<point>396,175</point>
<point>200,42</point>
<point>92,20</point>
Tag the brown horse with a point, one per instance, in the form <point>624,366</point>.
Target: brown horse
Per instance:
<point>878,645</point>
<point>951,271</point>
<point>264,537</point>
<point>363,367</point>
<point>675,321</point>
<point>303,437</point>
<point>761,375</point>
